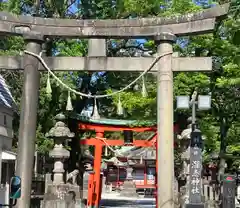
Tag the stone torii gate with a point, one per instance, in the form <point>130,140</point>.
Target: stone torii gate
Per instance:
<point>163,30</point>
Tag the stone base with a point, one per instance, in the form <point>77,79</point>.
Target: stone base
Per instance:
<point>67,192</point>
<point>129,189</point>
<point>195,205</point>
<point>62,204</point>
<point>85,194</point>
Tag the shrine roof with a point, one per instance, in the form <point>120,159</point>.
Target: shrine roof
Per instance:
<point>146,153</point>
<point>6,98</point>
<point>116,122</point>
<point>125,149</point>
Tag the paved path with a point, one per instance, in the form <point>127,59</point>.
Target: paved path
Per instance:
<point>126,204</point>
<point>112,200</point>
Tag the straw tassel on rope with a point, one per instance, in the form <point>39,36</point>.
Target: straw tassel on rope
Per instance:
<point>95,114</point>
<point>106,151</point>
<point>144,89</point>
<point>48,87</point>
<point>119,107</point>
<point>69,106</point>
<point>141,159</point>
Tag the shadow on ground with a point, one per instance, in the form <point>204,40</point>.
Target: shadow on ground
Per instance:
<point>126,203</point>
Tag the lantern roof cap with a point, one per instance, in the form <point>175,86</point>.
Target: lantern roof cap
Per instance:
<point>60,129</point>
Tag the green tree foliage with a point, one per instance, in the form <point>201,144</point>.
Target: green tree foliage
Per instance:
<point>220,125</point>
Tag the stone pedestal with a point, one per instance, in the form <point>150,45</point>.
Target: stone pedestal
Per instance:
<point>62,204</point>
<point>60,192</point>
<point>85,185</point>
<point>129,188</point>
<point>59,154</point>
<point>62,196</point>
<point>195,205</point>
<point>103,184</point>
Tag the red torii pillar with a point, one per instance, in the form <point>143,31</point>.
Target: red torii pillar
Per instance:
<point>94,192</point>
<point>94,195</point>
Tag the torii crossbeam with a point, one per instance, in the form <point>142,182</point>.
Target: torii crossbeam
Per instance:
<point>163,30</point>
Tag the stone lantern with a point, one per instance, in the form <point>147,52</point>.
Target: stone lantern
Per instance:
<point>185,139</point>
<point>129,188</point>
<point>58,193</point>
<point>60,132</point>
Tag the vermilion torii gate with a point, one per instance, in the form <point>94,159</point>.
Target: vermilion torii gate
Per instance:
<point>163,30</point>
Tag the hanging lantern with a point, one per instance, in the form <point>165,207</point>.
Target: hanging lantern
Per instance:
<point>95,114</point>
<point>128,136</point>
<point>119,107</point>
<point>69,106</point>
<point>144,89</point>
<point>48,87</point>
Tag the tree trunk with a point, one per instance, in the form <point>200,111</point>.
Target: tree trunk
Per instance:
<point>224,127</point>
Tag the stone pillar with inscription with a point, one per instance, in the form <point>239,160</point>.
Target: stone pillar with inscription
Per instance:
<point>195,183</point>
<point>229,191</point>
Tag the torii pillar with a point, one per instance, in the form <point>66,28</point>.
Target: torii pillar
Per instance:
<point>28,118</point>
<point>165,139</point>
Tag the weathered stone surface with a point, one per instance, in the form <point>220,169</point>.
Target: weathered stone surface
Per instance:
<point>181,25</point>
<point>129,189</point>
<point>61,195</point>
<point>194,27</point>
<point>61,192</point>
<point>109,64</point>
<point>62,204</point>
<point>60,130</point>
<point>85,185</point>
